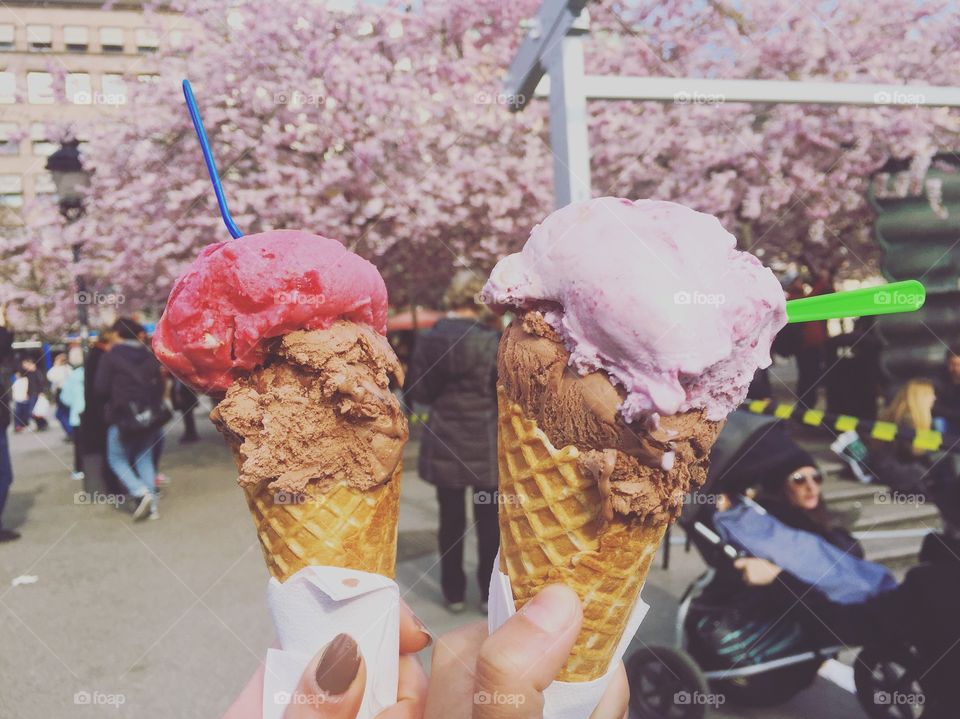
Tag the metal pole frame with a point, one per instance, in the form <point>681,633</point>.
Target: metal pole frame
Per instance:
<point>549,63</point>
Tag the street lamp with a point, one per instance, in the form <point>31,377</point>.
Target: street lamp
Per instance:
<point>69,179</point>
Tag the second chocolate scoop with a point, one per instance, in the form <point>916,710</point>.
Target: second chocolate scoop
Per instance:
<point>650,470</point>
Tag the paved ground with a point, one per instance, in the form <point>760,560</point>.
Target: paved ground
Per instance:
<point>170,617</point>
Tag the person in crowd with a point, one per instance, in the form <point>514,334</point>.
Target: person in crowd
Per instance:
<point>93,426</point>
<point>56,376</point>
<point>6,466</point>
<point>946,411</point>
<point>130,379</point>
<point>21,401</point>
<point>184,400</point>
<point>810,338</point>
<point>897,464</point>
<point>72,397</point>
<point>454,371</point>
<point>853,385</point>
<point>36,382</point>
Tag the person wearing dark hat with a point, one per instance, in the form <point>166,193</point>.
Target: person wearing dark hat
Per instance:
<point>454,371</point>
<point>918,619</point>
<point>790,490</point>
<point>789,486</point>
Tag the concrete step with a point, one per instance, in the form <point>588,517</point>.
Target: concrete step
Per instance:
<point>888,514</point>
<point>897,553</point>
<point>840,494</point>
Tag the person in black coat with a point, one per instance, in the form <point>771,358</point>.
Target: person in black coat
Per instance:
<point>6,467</point>
<point>454,370</point>
<point>130,379</point>
<point>185,400</point>
<point>98,477</point>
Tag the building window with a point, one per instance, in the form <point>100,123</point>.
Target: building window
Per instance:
<point>114,89</point>
<point>40,38</point>
<point>11,191</point>
<point>39,139</point>
<point>76,38</point>
<point>111,39</point>
<point>78,89</point>
<point>8,88</point>
<point>147,41</point>
<point>39,88</point>
<point>8,38</point>
<point>148,79</point>
<point>43,184</point>
<point>9,144</point>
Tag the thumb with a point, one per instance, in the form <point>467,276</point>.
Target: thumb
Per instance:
<point>332,685</point>
<point>519,660</point>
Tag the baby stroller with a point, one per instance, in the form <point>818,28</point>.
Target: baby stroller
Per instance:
<point>729,650</point>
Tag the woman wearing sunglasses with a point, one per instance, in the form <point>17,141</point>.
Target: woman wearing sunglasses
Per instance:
<point>790,490</point>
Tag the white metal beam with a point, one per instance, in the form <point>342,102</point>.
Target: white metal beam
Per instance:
<point>690,90</point>
<point>554,20</point>
<point>554,45</point>
<point>568,122</point>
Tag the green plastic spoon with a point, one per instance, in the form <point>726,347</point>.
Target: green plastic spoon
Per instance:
<point>896,297</point>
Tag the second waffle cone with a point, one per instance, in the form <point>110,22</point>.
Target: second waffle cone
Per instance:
<point>551,532</point>
<point>342,527</point>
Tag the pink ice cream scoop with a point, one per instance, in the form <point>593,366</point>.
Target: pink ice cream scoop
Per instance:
<point>653,293</point>
<point>239,293</point>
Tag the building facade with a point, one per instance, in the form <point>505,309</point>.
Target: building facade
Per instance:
<point>64,62</point>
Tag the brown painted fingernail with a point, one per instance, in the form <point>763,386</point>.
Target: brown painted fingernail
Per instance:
<point>338,665</point>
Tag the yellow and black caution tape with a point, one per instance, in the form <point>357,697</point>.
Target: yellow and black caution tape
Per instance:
<point>924,439</point>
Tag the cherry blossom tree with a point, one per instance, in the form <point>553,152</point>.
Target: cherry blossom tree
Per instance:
<point>384,126</point>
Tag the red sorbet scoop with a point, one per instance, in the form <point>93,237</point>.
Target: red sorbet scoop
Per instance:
<point>238,293</point>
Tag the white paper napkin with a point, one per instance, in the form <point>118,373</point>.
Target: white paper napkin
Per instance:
<point>315,605</point>
<point>562,700</point>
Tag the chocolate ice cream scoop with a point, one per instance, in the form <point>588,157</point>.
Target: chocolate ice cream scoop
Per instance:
<point>318,411</point>
<point>643,469</point>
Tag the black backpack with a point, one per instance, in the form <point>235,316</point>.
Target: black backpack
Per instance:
<point>136,418</point>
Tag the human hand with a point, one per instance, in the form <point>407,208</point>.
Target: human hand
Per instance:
<point>515,663</point>
<point>332,685</point>
<point>757,572</point>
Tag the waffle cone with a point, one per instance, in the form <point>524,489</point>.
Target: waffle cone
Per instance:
<point>339,527</point>
<point>552,531</point>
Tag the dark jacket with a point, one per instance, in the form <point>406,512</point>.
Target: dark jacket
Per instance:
<point>895,465</point>
<point>6,351</point>
<point>182,396</point>
<point>454,371</point>
<point>93,421</point>
<point>36,382</point>
<point>775,599</point>
<point>120,386</point>
<point>948,402</point>
<point>922,613</point>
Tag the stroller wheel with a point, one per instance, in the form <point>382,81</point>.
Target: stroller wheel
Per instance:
<point>887,684</point>
<point>666,683</point>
